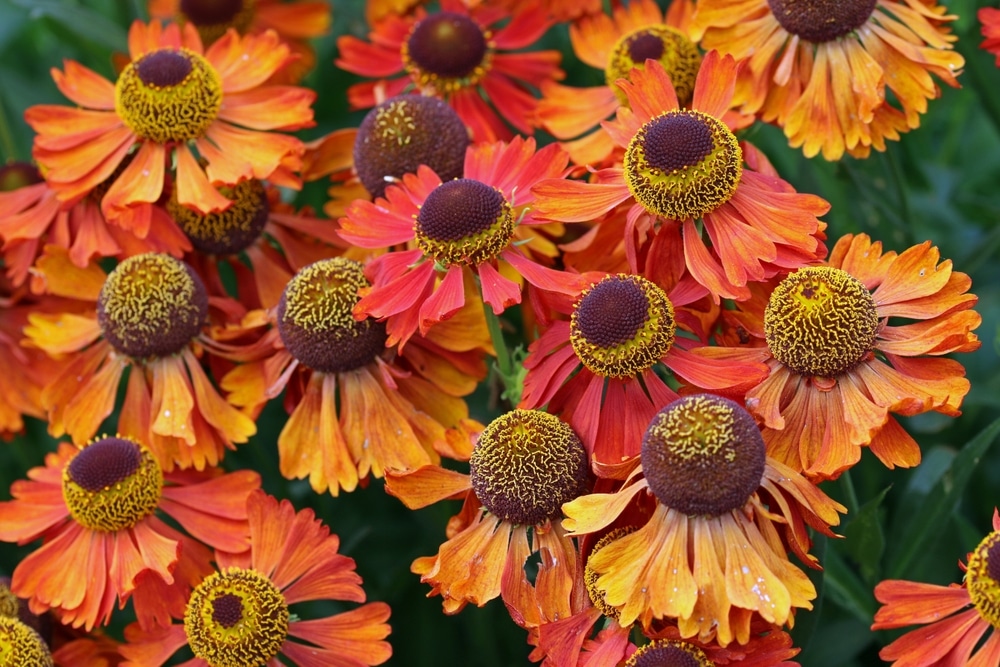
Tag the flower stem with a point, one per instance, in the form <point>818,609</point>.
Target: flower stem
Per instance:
<point>499,344</point>
<point>851,496</point>
<point>8,151</point>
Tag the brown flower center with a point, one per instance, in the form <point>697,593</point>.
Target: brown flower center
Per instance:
<point>703,455</point>
<point>17,175</point>
<point>464,221</point>
<point>820,321</point>
<point>526,464</point>
<point>821,20</point>
<point>669,653</point>
<point>447,51</point>
<point>236,618</point>
<point>622,325</point>
<point>112,484</point>
<point>683,164</point>
<point>151,305</point>
<point>405,132</point>
<point>230,231</point>
<point>315,321</point>
<point>672,48</point>
<point>213,17</point>
<point>169,95</point>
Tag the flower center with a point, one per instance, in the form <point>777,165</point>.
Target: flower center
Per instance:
<point>821,20</point>
<point>405,132</point>
<point>464,221</point>
<point>236,618</point>
<point>168,95</point>
<point>622,325</point>
<point>678,55</point>
<point>9,603</point>
<point>590,576</point>
<point>683,164</point>
<point>820,321</point>
<point>703,455</point>
<point>315,320</point>
<point>230,231</point>
<point>20,646</point>
<point>525,465</point>
<point>213,17</point>
<point>669,653</point>
<point>112,484</point>
<point>151,305</point>
<point>447,51</point>
<point>982,578</point>
<point>17,175</point>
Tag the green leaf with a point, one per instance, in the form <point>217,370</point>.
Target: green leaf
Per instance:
<point>937,507</point>
<point>845,588</point>
<point>81,21</point>
<point>865,538</point>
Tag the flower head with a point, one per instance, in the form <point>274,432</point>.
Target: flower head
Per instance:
<point>681,166</point>
<point>709,555</point>
<point>460,55</point>
<point>954,618</point>
<point>171,97</point>
<point>98,509</point>
<point>827,71</point>
<point>20,646</point>
<point>240,614</point>
<point>989,17</point>
<point>843,356</point>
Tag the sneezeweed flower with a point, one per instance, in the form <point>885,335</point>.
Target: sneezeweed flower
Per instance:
<point>147,314</point>
<point>21,646</point>
<point>989,18</point>
<point>599,370</point>
<point>711,555</point>
<point>460,55</point>
<point>98,510</point>
<point>826,70</point>
<point>23,371</point>
<point>523,467</point>
<point>357,409</point>
<point>172,96</point>
<point>772,649</point>
<point>460,227</point>
<point>685,168</point>
<point>274,239</point>
<point>240,615</point>
<point>840,367</point>
<point>615,44</point>
<point>954,618</point>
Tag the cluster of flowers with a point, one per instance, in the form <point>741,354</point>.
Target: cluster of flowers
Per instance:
<point>699,359</point>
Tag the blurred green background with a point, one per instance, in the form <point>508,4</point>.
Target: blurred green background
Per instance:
<point>941,182</point>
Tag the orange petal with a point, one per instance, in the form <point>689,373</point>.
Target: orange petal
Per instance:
<point>193,188</point>
<point>172,401</point>
<point>354,635</point>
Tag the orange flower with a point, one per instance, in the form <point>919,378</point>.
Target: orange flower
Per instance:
<point>240,614</point>
<point>598,371</point>
<point>172,95</point>
<point>839,367</point>
<point>954,617</point>
<point>524,466</point>
<point>820,70</point>
<point>148,313</point>
<point>295,22</point>
<point>96,509</point>
<point>456,229</point>
<point>711,555</point>
<point>23,371</point>
<point>357,408</point>
<point>756,223</point>
<point>990,20</point>
<point>32,216</point>
<point>615,44</point>
<point>459,55</point>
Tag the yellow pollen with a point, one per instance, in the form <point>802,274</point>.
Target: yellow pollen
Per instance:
<point>464,222</point>
<point>20,646</point>
<point>322,295</point>
<point>112,484</point>
<point>9,604</point>
<point>230,231</point>
<point>669,653</point>
<point>672,48</point>
<point>236,618</point>
<point>169,95</point>
<point>622,325</point>
<point>590,576</point>
<point>982,579</point>
<point>821,321</point>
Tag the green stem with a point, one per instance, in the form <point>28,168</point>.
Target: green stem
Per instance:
<point>896,177</point>
<point>850,495</point>
<point>504,363</point>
